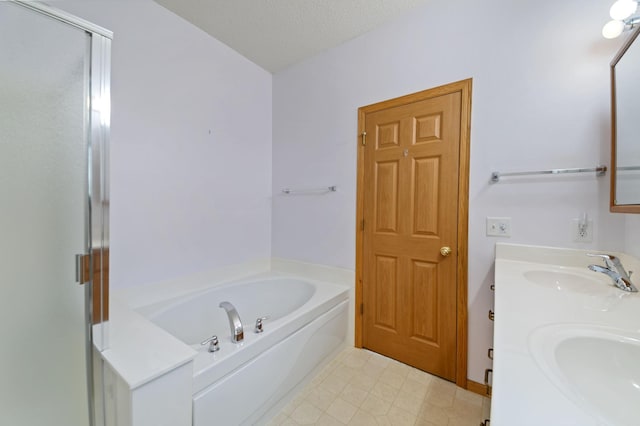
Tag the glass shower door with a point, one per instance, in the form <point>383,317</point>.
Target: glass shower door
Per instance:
<point>44,222</point>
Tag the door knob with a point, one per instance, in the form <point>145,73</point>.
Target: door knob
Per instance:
<point>445,251</point>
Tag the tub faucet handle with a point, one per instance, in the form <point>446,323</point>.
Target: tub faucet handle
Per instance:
<point>214,345</point>
<point>259,328</point>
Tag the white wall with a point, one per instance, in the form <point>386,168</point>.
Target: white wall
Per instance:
<point>632,236</point>
<point>540,100</point>
<point>190,146</point>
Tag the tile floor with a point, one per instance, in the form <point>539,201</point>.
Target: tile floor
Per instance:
<point>360,387</point>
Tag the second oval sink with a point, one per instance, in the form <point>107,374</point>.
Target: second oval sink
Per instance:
<point>596,367</point>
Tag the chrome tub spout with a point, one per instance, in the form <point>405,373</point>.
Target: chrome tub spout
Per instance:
<point>237,333</point>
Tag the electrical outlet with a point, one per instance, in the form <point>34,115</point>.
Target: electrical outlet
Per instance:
<point>498,227</point>
<point>582,234</point>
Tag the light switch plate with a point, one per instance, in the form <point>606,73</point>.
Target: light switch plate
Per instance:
<point>498,226</point>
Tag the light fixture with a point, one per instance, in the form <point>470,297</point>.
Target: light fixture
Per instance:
<point>622,9</point>
<point>612,29</point>
<point>621,12</point>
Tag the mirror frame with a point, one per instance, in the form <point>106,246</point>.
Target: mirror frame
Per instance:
<point>613,207</point>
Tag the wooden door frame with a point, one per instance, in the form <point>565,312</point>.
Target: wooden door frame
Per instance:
<point>464,87</point>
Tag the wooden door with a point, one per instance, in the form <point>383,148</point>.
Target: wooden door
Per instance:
<point>410,191</point>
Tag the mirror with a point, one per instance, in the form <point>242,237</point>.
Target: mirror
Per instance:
<point>625,128</point>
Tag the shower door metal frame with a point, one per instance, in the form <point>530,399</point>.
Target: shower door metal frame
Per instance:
<point>97,131</point>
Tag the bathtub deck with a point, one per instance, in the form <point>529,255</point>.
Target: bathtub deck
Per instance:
<point>360,387</point>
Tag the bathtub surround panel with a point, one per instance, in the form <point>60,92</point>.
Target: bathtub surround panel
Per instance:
<point>246,394</point>
<point>540,100</point>
<point>191,147</point>
<point>163,401</point>
<point>146,363</point>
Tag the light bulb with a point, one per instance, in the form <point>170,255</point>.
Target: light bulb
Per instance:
<point>612,29</point>
<point>622,9</point>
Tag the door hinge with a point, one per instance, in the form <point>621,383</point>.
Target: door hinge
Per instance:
<point>364,138</point>
<point>362,309</point>
<point>82,268</point>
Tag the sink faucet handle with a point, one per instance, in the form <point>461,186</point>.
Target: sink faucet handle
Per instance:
<point>609,259</point>
<point>214,345</point>
<point>259,328</point>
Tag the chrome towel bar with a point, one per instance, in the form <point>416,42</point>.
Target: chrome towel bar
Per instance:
<point>599,171</point>
<point>323,190</point>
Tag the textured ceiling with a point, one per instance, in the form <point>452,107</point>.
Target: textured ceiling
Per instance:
<point>277,33</point>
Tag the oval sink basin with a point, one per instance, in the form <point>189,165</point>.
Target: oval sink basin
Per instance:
<point>596,367</point>
<point>567,281</point>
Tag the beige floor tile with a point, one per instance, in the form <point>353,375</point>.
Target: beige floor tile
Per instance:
<point>433,414</point>
<point>278,420</point>
<point>334,383</point>
<point>347,372</point>
<point>373,370</point>
<point>360,387</point>
<point>354,395</point>
<point>356,359</point>
<point>327,420</point>
<point>469,397</point>
<point>464,409</point>
<point>375,406</point>
<point>399,368</point>
<point>306,414</point>
<point>300,397</point>
<point>321,398</point>
<point>408,402</point>
<point>442,386</point>
<point>288,409</point>
<point>384,391</point>
<point>319,378</point>
<point>331,367</point>
<point>342,410</point>
<point>400,417</point>
<point>438,399</point>
<point>377,359</point>
<point>459,421</point>
<point>415,387</point>
<point>425,422</point>
<point>420,376</point>
<point>362,418</point>
<point>363,382</point>
<point>383,421</point>
<point>391,378</point>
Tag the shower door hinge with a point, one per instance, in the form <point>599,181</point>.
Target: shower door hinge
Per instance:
<point>83,262</point>
<point>364,138</point>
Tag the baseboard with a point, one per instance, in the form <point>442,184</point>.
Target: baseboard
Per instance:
<point>478,388</point>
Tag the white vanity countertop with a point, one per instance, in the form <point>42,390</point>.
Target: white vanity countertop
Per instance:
<point>524,393</point>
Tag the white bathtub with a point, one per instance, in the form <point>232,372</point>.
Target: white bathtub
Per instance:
<point>243,382</point>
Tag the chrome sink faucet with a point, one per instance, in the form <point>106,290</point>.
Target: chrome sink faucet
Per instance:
<point>614,269</point>
<point>237,334</point>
